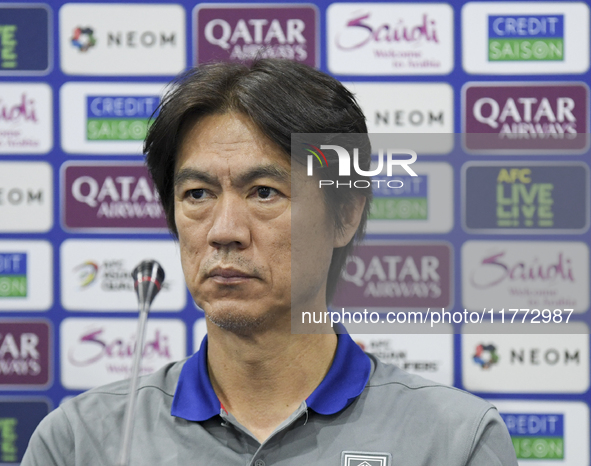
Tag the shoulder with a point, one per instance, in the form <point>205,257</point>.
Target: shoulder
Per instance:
<point>113,396</point>
<point>390,382</point>
<point>69,434</point>
<point>462,428</point>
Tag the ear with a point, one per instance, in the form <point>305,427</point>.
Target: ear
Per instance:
<point>351,219</point>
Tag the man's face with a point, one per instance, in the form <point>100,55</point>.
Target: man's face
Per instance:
<point>233,212</point>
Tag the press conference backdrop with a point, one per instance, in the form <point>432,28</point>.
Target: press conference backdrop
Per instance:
<point>78,211</point>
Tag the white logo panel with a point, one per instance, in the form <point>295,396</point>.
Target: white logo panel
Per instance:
<point>430,356</point>
<point>547,433</point>
<point>390,38</point>
<point>423,205</point>
<point>26,275</point>
<point>96,274</point>
<point>127,105</point>
<point>95,352</point>
<point>525,274</point>
<point>26,115</point>
<point>199,332</point>
<point>122,39</point>
<point>525,30</point>
<point>525,363</point>
<point>26,197</point>
<point>406,107</point>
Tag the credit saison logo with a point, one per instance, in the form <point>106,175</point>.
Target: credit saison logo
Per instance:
<point>119,118</point>
<point>526,38</point>
<point>408,202</point>
<point>13,275</point>
<point>536,436</point>
<point>486,356</point>
<point>344,165</point>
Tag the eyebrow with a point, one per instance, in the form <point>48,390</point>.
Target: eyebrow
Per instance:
<point>263,171</point>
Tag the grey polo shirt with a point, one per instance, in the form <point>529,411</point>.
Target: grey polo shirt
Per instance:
<point>364,413</point>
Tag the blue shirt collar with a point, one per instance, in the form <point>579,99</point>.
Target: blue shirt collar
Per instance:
<point>195,400</point>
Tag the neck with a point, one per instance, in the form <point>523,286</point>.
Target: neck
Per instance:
<point>263,378</point>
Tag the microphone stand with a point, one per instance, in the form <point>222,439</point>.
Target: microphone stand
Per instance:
<point>129,417</point>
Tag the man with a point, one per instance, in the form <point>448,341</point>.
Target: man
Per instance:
<point>256,394</point>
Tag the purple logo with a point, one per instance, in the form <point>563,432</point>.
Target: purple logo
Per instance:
<point>24,353</point>
<point>497,268</point>
<point>94,346</point>
<point>115,197</point>
<point>529,117</point>
<point>242,33</point>
<point>387,33</point>
<point>397,276</point>
<point>24,110</point>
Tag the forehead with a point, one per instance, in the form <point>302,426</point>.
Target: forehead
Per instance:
<point>230,138</point>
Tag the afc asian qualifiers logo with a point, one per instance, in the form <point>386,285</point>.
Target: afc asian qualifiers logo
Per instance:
<point>486,356</point>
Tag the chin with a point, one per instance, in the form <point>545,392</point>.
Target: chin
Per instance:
<point>236,320</point>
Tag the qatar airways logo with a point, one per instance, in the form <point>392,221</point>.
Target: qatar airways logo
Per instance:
<point>316,155</point>
<point>386,33</point>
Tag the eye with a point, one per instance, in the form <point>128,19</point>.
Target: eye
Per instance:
<point>265,192</point>
<point>196,194</point>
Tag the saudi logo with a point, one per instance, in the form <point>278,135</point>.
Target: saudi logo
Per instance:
<point>486,356</point>
<point>83,38</point>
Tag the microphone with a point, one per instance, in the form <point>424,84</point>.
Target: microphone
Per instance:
<point>148,277</point>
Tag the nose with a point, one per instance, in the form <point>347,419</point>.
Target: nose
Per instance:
<point>230,224</point>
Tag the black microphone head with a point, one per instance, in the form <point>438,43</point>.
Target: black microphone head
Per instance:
<point>148,277</point>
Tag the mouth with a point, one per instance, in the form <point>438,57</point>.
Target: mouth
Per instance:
<point>229,276</point>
